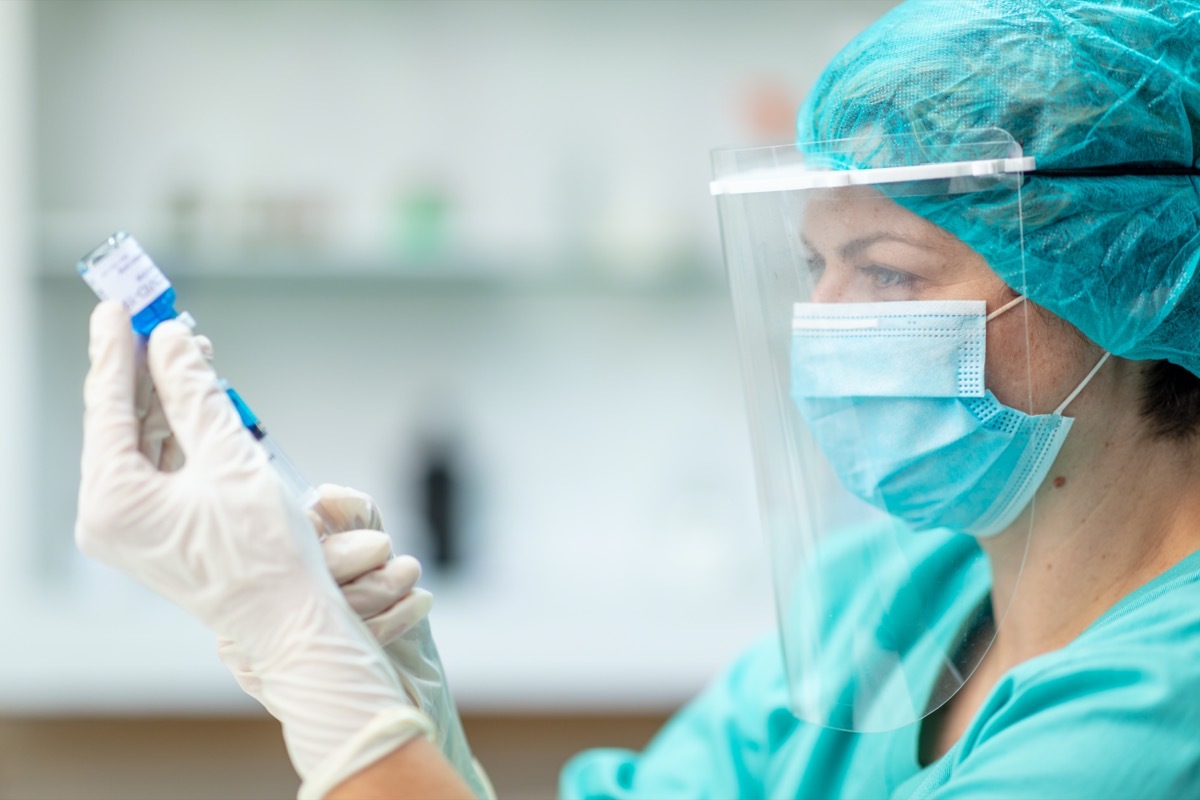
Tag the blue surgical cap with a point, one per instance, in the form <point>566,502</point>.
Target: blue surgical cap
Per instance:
<point>1079,84</point>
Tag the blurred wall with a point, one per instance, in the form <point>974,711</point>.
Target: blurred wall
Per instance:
<point>466,236</point>
<point>17,437</point>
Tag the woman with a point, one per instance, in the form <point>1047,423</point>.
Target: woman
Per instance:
<point>968,308</point>
<point>1051,651</point>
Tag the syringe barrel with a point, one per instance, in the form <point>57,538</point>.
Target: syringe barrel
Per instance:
<point>303,492</point>
<point>299,488</point>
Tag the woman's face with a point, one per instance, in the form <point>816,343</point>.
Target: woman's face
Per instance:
<point>860,246</point>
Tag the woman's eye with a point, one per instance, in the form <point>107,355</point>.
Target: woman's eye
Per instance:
<point>815,265</point>
<point>885,278</point>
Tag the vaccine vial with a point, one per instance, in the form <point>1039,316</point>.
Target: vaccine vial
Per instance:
<point>119,269</point>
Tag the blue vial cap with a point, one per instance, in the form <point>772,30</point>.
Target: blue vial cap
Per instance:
<point>161,308</point>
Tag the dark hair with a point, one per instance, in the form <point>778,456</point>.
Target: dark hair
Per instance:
<point>1171,401</point>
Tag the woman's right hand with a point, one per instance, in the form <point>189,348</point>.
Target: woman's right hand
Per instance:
<point>382,590</point>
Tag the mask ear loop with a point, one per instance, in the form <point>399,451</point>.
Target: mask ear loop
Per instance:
<point>1018,299</point>
<point>1087,379</point>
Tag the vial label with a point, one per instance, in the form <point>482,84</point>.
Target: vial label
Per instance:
<point>127,274</point>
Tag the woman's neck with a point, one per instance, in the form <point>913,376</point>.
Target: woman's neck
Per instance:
<point>1103,526</point>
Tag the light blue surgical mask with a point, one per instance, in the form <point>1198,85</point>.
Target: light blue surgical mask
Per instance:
<point>894,395</point>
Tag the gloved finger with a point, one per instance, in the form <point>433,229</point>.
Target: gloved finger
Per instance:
<point>340,508</point>
<point>170,455</point>
<point>206,347</point>
<point>113,474</point>
<point>144,392</point>
<point>199,412</point>
<point>156,441</point>
<point>239,665</point>
<point>402,617</point>
<point>379,589</point>
<point>110,427</point>
<point>152,448</point>
<point>147,398</point>
<point>155,432</point>
<point>353,553</point>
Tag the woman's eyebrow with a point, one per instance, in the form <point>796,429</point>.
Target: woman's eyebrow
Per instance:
<point>855,247</point>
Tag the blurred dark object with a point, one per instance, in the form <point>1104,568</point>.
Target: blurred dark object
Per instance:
<point>441,490</point>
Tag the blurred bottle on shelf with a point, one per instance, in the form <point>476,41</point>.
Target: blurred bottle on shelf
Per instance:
<point>421,219</point>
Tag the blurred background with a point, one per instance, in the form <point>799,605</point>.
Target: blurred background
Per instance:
<point>459,255</point>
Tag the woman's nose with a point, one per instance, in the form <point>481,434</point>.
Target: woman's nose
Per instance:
<point>830,288</point>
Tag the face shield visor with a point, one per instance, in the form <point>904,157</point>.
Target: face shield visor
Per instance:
<point>890,400</point>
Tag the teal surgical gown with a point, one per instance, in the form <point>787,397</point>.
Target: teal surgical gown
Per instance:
<point>1114,714</point>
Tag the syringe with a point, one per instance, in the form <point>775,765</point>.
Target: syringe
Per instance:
<point>120,270</point>
<point>304,492</point>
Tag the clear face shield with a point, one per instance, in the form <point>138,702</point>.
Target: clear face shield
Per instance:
<point>891,407</point>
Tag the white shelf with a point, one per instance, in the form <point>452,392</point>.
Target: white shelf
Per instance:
<point>443,278</point>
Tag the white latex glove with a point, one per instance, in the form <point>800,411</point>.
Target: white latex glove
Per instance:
<point>382,590</point>
<point>155,440</point>
<point>359,554</point>
<point>218,537</point>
